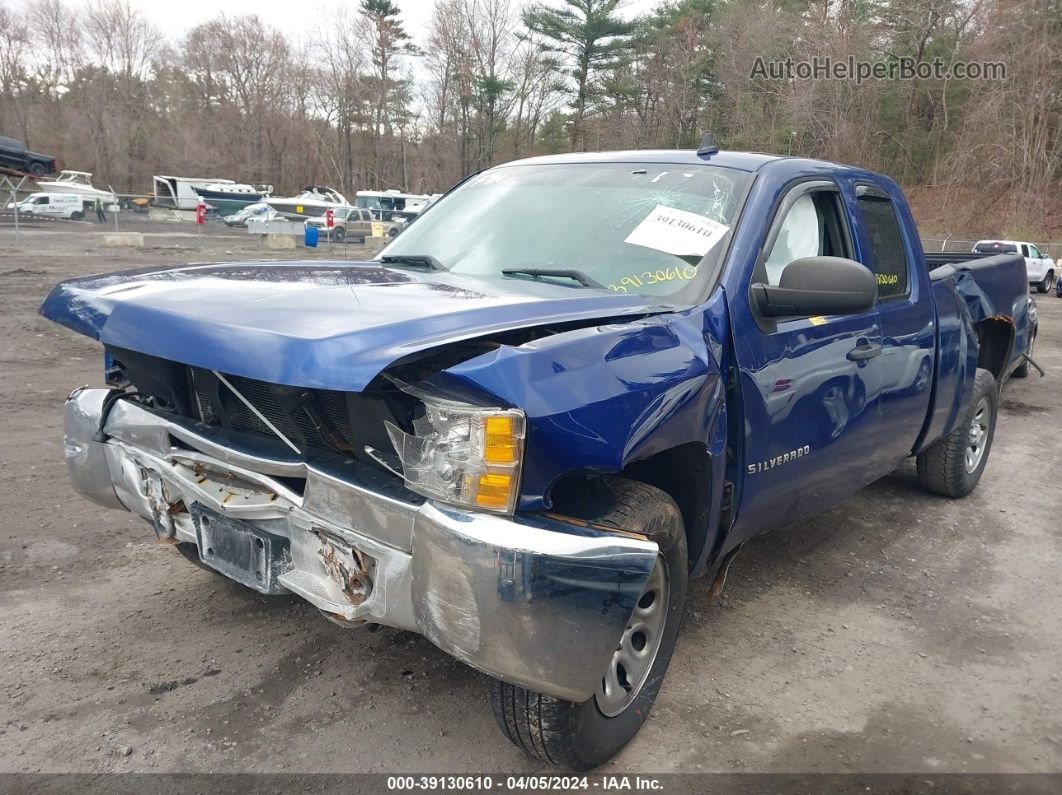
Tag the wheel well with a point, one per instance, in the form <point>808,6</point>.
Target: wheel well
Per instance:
<point>995,336</point>
<point>683,472</point>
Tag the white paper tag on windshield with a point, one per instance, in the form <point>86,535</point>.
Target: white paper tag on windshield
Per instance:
<point>677,232</point>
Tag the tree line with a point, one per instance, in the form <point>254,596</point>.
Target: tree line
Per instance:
<point>361,105</point>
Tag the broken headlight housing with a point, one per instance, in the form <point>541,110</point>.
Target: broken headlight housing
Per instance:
<point>463,454</point>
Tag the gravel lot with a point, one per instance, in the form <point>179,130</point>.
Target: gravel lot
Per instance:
<point>898,633</point>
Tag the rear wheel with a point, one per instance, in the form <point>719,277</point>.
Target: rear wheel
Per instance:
<point>584,735</point>
<point>77,215</point>
<point>953,465</point>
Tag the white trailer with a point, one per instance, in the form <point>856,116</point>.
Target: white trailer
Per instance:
<point>177,192</point>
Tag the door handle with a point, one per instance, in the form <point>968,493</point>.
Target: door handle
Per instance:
<point>864,349</point>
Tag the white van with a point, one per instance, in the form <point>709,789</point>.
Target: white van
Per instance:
<point>53,205</point>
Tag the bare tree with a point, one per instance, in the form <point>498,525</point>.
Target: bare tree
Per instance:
<point>92,82</point>
<point>14,41</point>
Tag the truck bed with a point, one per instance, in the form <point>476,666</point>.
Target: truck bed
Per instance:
<point>991,293</point>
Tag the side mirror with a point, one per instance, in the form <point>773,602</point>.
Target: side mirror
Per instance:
<point>818,286</point>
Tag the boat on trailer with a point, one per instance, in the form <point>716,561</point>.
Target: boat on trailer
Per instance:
<point>179,192</point>
<point>311,202</point>
<point>80,183</point>
<point>232,197</point>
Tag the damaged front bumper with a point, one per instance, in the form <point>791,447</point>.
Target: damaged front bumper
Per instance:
<point>529,599</point>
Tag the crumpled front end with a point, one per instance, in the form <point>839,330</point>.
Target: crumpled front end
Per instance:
<point>532,600</point>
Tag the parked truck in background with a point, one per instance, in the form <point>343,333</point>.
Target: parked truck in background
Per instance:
<point>574,384</point>
<point>13,154</point>
<point>351,223</point>
<point>1040,267</point>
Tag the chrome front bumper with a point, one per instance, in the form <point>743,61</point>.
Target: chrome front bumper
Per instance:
<point>530,600</point>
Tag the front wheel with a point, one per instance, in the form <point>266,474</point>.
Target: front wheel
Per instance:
<point>37,169</point>
<point>1047,283</point>
<point>583,736</point>
<point>952,466</point>
<point>339,234</point>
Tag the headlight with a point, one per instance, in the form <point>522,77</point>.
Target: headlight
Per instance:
<point>463,454</point>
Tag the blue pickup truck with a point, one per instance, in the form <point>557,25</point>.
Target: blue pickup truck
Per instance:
<point>574,384</point>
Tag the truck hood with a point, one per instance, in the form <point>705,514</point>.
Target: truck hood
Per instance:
<point>325,325</point>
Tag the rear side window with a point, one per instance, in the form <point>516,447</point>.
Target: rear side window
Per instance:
<point>887,253</point>
<point>996,247</point>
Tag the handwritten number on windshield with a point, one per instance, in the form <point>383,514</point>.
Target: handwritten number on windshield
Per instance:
<point>654,277</point>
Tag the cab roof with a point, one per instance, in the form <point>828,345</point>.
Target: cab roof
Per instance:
<point>742,161</point>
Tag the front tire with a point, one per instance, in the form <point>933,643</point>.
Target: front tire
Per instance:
<point>339,234</point>
<point>1046,284</point>
<point>585,735</point>
<point>952,466</point>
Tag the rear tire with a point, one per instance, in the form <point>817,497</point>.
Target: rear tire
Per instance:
<point>77,215</point>
<point>952,466</point>
<point>582,736</point>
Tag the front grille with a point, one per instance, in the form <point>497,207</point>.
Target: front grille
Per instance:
<point>308,417</point>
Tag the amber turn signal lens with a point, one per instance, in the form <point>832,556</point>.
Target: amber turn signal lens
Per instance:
<point>500,443</point>
<point>494,490</point>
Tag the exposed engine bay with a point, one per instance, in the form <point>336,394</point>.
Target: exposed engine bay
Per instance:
<point>308,420</point>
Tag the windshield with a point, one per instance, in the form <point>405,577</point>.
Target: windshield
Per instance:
<point>652,229</point>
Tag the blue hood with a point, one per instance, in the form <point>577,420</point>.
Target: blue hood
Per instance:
<point>326,325</point>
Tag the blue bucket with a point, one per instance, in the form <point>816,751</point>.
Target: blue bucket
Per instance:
<point>310,237</point>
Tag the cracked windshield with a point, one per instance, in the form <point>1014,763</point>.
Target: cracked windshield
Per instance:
<point>654,229</point>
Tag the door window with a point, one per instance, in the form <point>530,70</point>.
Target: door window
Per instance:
<point>888,255</point>
<point>1024,250</point>
<point>1034,252</point>
<point>812,227</point>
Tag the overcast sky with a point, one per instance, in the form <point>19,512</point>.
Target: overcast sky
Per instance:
<point>297,18</point>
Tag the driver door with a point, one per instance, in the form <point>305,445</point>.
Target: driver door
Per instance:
<point>810,385</point>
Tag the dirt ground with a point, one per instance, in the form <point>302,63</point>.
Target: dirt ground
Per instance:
<point>900,632</point>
